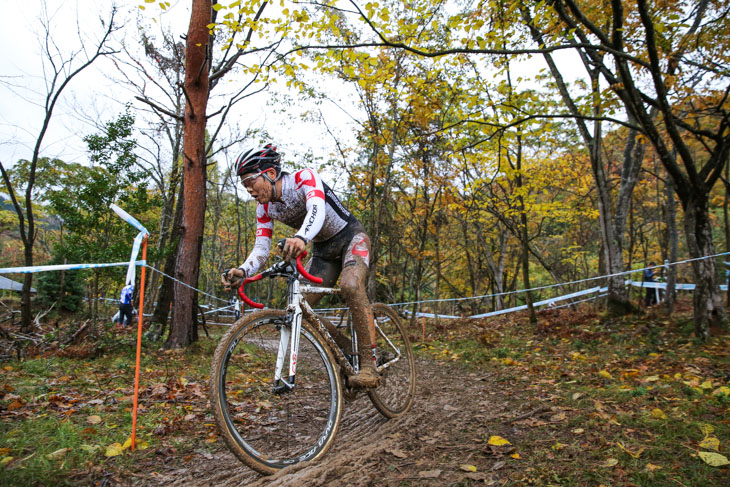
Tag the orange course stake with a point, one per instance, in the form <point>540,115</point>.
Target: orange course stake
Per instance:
<point>139,343</point>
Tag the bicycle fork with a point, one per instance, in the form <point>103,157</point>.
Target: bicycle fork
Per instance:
<point>289,339</point>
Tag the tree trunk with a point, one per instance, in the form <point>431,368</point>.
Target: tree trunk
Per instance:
<point>612,225</point>
<point>708,303</point>
<point>670,296</point>
<point>166,290</point>
<point>197,69</point>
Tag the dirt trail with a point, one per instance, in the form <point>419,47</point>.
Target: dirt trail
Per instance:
<point>454,414</point>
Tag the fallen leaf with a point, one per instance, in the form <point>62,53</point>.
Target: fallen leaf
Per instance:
<point>114,449</point>
<point>577,396</point>
<point>556,418</point>
<point>605,374</point>
<point>468,468</point>
<point>90,448</point>
<point>723,390</point>
<point>478,476</point>
<point>706,385</point>
<point>4,451</point>
<point>558,446</point>
<point>127,443</point>
<point>94,419</point>
<point>396,452</point>
<point>658,414</point>
<point>15,405</point>
<point>429,474</point>
<point>650,467</point>
<point>497,441</point>
<point>635,454</point>
<point>710,443</point>
<point>143,445</point>
<point>610,462</point>
<point>58,454</point>
<point>516,456</point>
<point>578,431</point>
<point>714,459</point>
<point>707,429</point>
<point>498,465</point>
<point>5,461</point>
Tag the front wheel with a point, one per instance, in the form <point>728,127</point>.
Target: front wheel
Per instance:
<point>270,431</point>
<point>394,361</point>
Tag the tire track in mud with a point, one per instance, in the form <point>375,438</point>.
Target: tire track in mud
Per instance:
<point>451,407</point>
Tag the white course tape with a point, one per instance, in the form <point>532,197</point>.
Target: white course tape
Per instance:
<point>549,302</point>
<point>64,267</point>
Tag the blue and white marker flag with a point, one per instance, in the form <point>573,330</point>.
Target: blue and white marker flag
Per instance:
<point>135,250</point>
<point>137,240</point>
<point>129,218</point>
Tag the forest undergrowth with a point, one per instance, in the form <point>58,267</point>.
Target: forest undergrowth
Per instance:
<point>583,400</point>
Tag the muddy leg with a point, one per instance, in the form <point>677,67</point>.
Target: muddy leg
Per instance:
<point>353,281</point>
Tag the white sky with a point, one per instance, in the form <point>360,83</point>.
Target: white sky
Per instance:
<point>92,94</point>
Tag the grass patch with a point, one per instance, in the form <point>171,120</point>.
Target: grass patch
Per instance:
<point>62,416</point>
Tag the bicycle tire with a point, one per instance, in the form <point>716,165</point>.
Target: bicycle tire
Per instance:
<point>265,431</point>
<point>395,395</point>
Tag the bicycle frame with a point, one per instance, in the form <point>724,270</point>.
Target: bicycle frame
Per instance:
<point>297,309</point>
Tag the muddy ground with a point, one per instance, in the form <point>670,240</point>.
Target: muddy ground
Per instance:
<point>440,441</point>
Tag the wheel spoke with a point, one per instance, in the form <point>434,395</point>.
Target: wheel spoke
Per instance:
<point>266,430</point>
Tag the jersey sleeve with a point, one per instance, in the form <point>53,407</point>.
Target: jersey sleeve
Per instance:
<point>262,246</point>
<point>308,182</point>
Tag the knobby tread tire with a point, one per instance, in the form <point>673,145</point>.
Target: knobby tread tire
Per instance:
<point>407,392</point>
<point>237,330</point>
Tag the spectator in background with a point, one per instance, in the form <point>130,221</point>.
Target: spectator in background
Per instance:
<point>650,297</point>
<point>126,310</point>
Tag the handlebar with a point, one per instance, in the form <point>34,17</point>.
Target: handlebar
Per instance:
<point>300,268</point>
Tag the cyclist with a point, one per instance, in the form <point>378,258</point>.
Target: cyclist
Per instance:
<point>339,242</point>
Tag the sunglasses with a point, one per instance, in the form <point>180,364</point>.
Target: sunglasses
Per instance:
<point>248,180</point>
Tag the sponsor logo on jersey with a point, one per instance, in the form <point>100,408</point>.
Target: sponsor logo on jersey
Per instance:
<point>305,177</point>
<point>312,218</point>
<point>315,193</point>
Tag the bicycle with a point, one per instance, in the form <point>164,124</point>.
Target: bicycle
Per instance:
<point>273,420</point>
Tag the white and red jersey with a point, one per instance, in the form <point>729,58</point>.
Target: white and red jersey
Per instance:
<point>306,204</point>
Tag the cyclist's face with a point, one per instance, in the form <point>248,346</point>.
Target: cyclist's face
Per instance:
<point>257,186</point>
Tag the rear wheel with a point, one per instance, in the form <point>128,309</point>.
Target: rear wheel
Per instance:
<point>265,430</point>
<point>394,396</point>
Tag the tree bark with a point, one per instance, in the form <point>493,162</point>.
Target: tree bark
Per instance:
<point>670,296</point>
<point>167,288</point>
<point>187,267</point>
<point>708,303</point>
